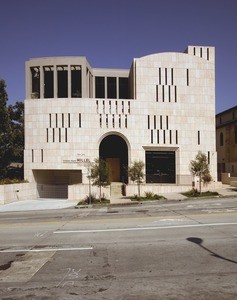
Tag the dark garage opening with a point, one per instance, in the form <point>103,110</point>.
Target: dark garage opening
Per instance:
<point>54,183</point>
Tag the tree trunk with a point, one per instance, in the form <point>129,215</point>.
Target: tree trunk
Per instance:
<point>100,193</point>
<point>200,184</point>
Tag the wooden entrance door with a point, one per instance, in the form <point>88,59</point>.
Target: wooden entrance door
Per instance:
<point>114,166</point>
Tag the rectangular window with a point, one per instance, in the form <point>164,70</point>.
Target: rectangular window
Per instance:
<point>160,122</point>
<point>172,76</point>
<point>176,137</point>
<point>164,139</point>
<point>194,51</point>
<point>157,97</point>
<point>76,88</point>
<point>167,122</point>
<point>187,77</point>
<point>160,167</point>
<point>32,155</point>
<point>53,135</point>
<point>56,120</point>
<point>129,107</point>
<point>148,122</point>
<point>175,93</point>
<point>59,135</point>
<point>208,157</point>
<point>50,120</point>
<point>107,121</point>
<point>100,120</point>
<point>169,94</point>
<point>42,155</point>
<point>79,120</point>
<point>62,81</point>
<point>151,136</point>
<point>207,53</point>
<point>111,88</point>
<point>200,52</point>
<point>170,136</point>
<point>99,87</point>
<point>159,75</point>
<point>35,79</point>
<point>165,76</point>
<point>113,121</point>
<point>48,82</point>
<point>163,93</point>
<point>198,137</point>
<point>69,121</point>
<point>62,120</point>
<point>47,135</point>
<point>154,122</point>
<point>126,121</point>
<point>123,88</point>
<point>122,107</point>
<point>66,135</point>
<point>158,136</point>
<point>119,121</point>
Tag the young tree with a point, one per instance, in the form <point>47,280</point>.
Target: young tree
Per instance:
<point>100,173</point>
<point>199,167</point>
<point>135,172</point>
<point>5,131</point>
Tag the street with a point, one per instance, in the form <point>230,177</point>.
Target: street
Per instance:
<point>176,250</point>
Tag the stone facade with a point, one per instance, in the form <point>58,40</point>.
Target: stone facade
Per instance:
<point>226,142</point>
<point>160,111</point>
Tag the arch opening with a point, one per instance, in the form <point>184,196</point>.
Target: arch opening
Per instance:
<point>114,150</point>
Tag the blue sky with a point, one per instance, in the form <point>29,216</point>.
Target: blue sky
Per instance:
<point>110,33</point>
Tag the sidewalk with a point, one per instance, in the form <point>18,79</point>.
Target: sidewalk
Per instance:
<point>48,204</point>
<point>39,204</point>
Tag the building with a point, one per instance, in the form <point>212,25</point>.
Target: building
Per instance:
<point>160,111</point>
<point>226,142</point>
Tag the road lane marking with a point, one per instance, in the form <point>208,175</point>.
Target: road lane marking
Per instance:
<point>142,228</point>
<point>45,250</point>
<point>132,218</point>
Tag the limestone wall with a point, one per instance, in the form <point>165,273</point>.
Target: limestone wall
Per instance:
<point>17,192</point>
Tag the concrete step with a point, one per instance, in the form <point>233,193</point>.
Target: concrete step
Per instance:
<point>120,201</point>
<point>116,189</point>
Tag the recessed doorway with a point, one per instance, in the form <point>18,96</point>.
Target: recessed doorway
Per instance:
<point>114,150</point>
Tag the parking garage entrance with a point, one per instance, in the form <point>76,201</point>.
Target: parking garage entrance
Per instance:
<point>114,150</point>
<point>54,183</point>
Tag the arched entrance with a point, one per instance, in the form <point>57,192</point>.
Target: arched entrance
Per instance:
<point>114,150</point>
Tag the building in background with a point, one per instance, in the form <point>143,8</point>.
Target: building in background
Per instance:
<point>160,111</point>
<point>226,142</point>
